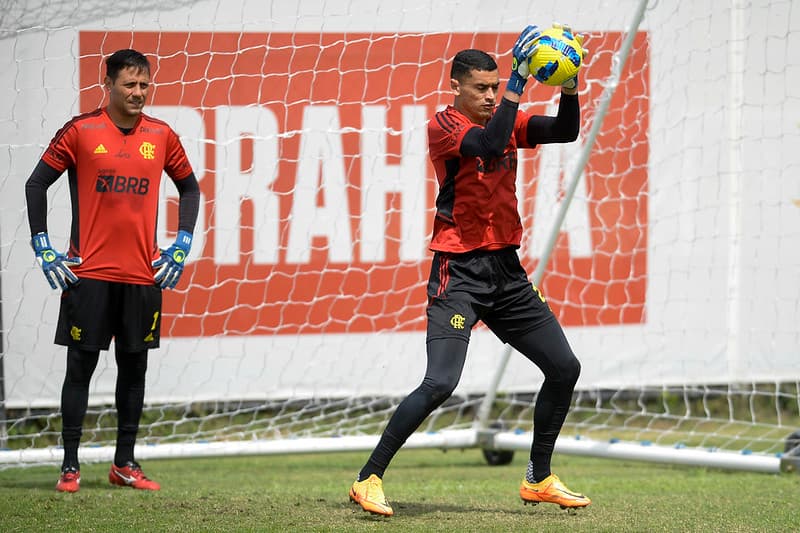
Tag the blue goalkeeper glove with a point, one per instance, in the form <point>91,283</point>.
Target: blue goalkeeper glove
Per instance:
<point>170,264</point>
<point>54,265</point>
<point>524,49</point>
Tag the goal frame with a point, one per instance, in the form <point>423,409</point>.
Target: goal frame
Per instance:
<point>483,434</point>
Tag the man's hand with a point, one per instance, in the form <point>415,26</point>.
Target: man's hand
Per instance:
<point>572,83</point>
<point>523,50</point>
<point>54,265</point>
<point>170,264</point>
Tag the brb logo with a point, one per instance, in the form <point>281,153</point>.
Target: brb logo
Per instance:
<point>507,162</point>
<point>122,184</point>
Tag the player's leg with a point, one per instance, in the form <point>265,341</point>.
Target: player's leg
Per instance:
<point>129,395</point>
<point>548,348</point>
<point>131,370</point>
<point>450,317</point>
<point>521,317</point>
<point>445,362</point>
<point>83,327</point>
<point>74,402</point>
<point>136,330</point>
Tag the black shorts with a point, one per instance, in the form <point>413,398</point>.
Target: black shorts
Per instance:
<point>490,286</point>
<point>94,311</point>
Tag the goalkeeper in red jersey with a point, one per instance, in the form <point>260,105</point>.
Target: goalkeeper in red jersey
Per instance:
<point>113,273</point>
<point>476,272</point>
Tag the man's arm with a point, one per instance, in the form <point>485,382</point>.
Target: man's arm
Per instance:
<point>169,266</point>
<point>562,128</point>
<point>188,202</point>
<point>491,141</point>
<point>41,179</point>
<point>55,265</point>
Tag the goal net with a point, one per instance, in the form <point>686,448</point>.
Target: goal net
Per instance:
<point>298,324</point>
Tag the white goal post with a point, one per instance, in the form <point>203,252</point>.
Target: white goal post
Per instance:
<point>666,239</point>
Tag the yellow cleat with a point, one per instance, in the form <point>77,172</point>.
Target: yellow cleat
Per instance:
<point>369,495</point>
<point>551,490</point>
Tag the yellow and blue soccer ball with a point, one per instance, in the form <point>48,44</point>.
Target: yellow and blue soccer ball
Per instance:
<point>559,57</point>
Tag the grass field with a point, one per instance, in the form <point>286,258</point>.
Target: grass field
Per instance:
<point>429,489</point>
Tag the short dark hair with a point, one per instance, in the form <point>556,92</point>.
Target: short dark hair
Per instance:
<point>471,59</point>
<point>122,59</point>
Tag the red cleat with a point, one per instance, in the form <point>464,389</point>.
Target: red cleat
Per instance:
<point>131,475</point>
<point>70,480</point>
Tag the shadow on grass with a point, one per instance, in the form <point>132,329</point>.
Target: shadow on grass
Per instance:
<point>49,483</point>
<point>413,509</point>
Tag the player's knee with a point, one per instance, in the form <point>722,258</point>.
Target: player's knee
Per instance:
<point>80,367</point>
<point>442,391</point>
<point>439,390</point>
<point>572,370</point>
<point>132,368</point>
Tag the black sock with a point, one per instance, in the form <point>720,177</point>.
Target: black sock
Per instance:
<point>131,369</point>
<point>74,401</point>
<point>381,456</point>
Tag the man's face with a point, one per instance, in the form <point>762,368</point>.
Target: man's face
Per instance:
<point>128,93</point>
<point>476,94</point>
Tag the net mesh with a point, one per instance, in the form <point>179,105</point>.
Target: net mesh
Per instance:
<point>302,311</point>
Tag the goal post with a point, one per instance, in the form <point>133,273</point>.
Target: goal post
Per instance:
<point>666,239</point>
<point>577,170</point>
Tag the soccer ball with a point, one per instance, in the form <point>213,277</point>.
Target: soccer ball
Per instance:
<point>559,57</point>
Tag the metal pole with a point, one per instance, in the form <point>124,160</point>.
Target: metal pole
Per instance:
<point>3,419</point>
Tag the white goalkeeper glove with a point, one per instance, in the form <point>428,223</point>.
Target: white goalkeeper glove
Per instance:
<point>568,34</point>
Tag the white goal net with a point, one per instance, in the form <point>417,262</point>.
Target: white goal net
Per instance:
<point>675,272</point>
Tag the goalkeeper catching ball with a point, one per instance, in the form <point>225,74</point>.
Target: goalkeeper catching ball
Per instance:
<point>476,273</point>
<point>112,276</point>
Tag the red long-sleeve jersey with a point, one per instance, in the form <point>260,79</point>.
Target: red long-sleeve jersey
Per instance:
<point>476,207</point>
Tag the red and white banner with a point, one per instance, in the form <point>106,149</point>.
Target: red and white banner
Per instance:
<point>318,192</point>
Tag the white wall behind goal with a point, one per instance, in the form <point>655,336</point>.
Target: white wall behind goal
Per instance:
<point>722,225</point>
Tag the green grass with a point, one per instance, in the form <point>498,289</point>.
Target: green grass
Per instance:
<point>429,489</point>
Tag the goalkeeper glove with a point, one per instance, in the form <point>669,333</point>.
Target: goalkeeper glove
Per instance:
<point>170,264</point>
<point>572,83</point>
<point>54,265</point>
<point>523,50</point>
